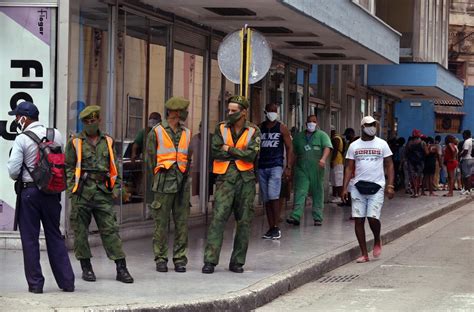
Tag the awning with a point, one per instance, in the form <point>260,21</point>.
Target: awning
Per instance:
<point>429,81</point>
<point>443,112</point>
<point>449,102</point>
<point>314,32</point>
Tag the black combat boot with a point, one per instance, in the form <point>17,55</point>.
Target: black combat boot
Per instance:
<point>87,272</point>
<point>122,272</point>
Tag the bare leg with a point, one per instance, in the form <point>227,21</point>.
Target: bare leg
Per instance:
<point>270,214</point>
<point>275,207</point>
<point>360,234</point>
<point>375,226</point>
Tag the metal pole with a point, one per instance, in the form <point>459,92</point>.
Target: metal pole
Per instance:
<point>206,90</point>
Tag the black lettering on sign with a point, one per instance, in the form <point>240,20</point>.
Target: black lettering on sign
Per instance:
<point>10,133</point>
<point>26,65</point>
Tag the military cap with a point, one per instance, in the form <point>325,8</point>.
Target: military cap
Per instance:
<point>91,111</point>
<point>241,100</point>
<point>177,103</point>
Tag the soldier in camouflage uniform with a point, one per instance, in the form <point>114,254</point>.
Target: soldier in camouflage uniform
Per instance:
<point>235,146</point>
<point>167,157</point>
<point>93,182</point>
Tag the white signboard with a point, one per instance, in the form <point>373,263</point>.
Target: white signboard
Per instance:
<point>25,67</point>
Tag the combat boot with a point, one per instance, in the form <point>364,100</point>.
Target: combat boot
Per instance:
<point>122,272</point>
<point>87,272</point>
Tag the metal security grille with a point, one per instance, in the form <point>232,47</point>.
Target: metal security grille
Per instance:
<point>338,279</point>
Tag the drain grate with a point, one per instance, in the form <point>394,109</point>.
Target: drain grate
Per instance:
<point>338,279</point>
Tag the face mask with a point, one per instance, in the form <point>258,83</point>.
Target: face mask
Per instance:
<point>271,116</point>
<point>233,118</point>
<point>21,123</point>
<point>183,114</point>
<point>152,122</point>
<point>91,129</point>
<point>311,126</point>
<point>370,131</point>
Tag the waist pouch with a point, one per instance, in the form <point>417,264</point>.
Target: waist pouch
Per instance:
<point>367,188</point>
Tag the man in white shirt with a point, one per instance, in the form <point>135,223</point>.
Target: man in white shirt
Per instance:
<point>36,206</point>
<point>370,158</point>
<point>467,162</point>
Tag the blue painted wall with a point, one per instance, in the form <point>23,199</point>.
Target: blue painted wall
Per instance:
<point>468,121</point>
<point>423,117</point>
<point>410,118</point>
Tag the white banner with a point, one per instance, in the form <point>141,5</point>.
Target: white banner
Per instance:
<point>25,74</point>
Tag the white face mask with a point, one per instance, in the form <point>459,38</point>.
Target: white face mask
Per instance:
<point>21,123</point>
<point>311,126</point>
<point>152,122</point>
<point>272,116</point>
<point>370,131</point>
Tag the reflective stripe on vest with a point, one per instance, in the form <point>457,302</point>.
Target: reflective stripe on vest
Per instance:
<point>220,166</point>
<point>167,154</point>
<point>77,143</point>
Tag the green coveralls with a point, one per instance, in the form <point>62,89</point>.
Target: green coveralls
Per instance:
<point>235,193</point>
<point>169,197</point>
<point>93,198</point>
<point>308,175</point>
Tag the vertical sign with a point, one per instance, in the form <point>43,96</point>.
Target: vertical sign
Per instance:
<point>25,67</point>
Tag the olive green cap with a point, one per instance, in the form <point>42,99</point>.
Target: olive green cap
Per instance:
<point>177,103</point>
<point>91,111</point>
<point>241,100</point>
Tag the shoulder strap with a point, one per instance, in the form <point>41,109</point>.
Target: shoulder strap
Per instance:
<point>50,134</point>
<point>32,136</point>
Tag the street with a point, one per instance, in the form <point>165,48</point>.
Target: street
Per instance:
<point>429,269</point>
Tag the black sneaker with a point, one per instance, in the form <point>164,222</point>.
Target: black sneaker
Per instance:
<point>268,235</point>
<point>317,223</point>
<point>292,221</point>
<point>276,233</point>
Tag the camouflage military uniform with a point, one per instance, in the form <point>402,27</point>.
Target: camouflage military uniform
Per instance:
<point>235,193</point>
<point>170,197</point>
<point>93,198</point>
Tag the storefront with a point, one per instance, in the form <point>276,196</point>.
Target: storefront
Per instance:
<point>128,58</point>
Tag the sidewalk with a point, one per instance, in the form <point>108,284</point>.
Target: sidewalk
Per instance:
<point>303,254</point>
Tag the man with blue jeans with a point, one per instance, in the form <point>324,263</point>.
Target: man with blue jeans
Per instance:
<point>370,158</point>
<point>270,166</point>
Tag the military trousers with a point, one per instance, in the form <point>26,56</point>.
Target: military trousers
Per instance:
<point>311,182</point>
<point>235,197</point>
<point>176,204</point>
<point>101,207</point>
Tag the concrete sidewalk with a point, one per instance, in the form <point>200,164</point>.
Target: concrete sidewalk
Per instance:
<point>303,254</point>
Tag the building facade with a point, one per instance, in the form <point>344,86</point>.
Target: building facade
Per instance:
<point>130,56</point>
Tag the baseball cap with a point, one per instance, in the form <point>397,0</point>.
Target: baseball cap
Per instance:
<point>27,109</point>
<point>367,120</point>
<point>416,133</point>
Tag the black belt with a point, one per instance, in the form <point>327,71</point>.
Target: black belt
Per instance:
<point>28,184</point>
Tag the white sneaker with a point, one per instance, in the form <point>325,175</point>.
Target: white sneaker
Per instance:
<point>336,200</point>
<point>464,192</point>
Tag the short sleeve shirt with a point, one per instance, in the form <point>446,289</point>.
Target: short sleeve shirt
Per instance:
<point>467,146</point>
<point>369,160</point>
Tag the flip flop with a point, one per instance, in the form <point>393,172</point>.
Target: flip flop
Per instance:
<point>377,250</point>
<point>363,259</point>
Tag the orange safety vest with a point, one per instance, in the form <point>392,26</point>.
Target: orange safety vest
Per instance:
<point>166,152</point>
<point>77,143</point>
<point>220,166</point>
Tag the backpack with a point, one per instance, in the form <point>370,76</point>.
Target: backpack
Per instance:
<point>472,148</point>
<point>49,172</point>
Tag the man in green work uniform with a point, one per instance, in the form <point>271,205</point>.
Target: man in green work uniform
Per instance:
<point>235,146</point>
<point>312,148</point>
<point>167,157</point>
<point>93,183</point>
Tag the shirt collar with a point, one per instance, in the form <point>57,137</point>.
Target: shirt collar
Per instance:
<point>33,125</point>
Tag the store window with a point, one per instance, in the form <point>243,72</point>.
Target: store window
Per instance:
<point>27,60</point>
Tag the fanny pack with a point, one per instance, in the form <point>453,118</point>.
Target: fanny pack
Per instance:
<point>367,188</point>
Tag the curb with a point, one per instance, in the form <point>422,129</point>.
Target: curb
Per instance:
<point>274,286</point>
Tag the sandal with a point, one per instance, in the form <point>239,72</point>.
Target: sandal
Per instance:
<point>363,259</point>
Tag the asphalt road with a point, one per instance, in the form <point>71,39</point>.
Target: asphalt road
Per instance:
<point>429,269</point>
